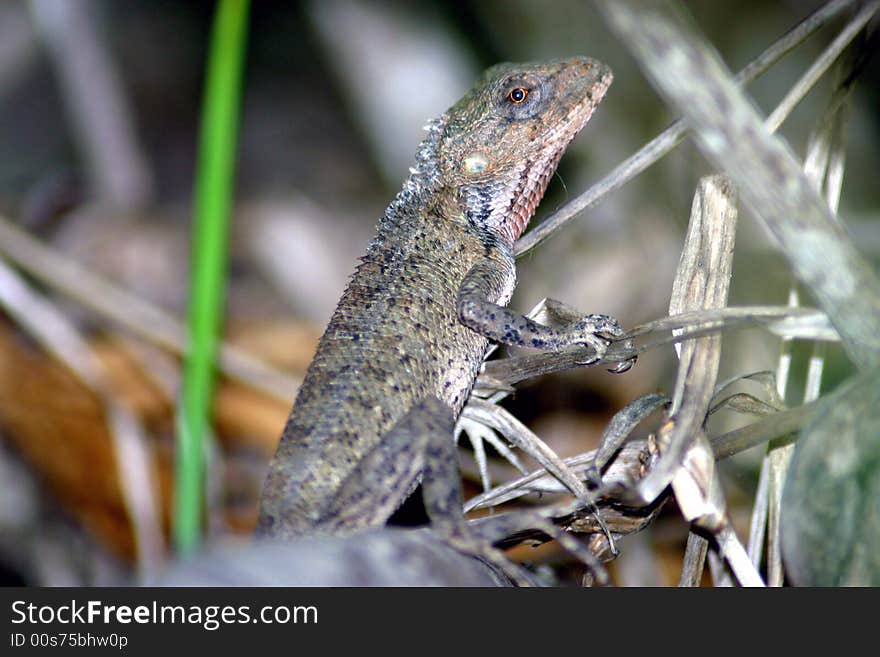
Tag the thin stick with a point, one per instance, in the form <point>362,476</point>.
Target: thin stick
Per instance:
<point>60,338</point>
<point>96,104</point>
<point>674,134</point>
<point>689,74</point>
<point>694,560</point>
<point>129,311</point>
<point>820,66</point>
<point>824,161</point>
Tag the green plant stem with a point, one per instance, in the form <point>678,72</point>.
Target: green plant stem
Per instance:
<point>213,195</point>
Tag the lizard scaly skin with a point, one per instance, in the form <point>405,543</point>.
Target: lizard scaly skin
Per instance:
<point>405,344</point>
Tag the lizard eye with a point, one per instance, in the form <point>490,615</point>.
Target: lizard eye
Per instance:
<point>517,95</point>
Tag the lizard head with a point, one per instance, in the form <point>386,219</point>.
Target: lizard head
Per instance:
<point>503,140</point>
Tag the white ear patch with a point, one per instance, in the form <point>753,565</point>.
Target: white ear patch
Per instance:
<point>475,163</point>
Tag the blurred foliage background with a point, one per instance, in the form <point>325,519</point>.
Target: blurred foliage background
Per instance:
<point>99,111</point>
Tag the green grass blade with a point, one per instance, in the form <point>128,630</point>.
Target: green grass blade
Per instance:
<point>213,196</point>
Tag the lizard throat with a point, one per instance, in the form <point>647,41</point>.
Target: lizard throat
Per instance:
<point>529,182</point>
<point>534,181</point>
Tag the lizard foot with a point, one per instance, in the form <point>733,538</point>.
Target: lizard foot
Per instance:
<point>597,332</point>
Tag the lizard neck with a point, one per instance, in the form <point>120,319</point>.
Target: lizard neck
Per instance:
<point>423,183</point>
<point>505,206</point>
<point>429,202</point>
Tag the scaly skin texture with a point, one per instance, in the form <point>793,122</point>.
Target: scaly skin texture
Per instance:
<point>401,353</point>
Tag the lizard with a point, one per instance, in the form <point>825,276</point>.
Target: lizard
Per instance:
<point>377,408</point>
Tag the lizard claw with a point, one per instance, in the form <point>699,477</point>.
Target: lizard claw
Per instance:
<point>608,328</point>
<point>624,366</point>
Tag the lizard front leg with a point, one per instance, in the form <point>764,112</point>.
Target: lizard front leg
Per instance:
<point>486,282</point>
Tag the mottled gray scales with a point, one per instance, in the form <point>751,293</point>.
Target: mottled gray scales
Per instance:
<point>397,362</point>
